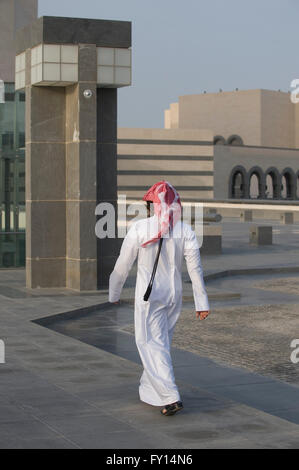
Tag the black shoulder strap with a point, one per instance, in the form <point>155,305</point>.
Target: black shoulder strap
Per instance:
<point>150,286</point>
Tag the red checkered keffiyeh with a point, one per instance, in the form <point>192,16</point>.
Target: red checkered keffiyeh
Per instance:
<point>167,206</point>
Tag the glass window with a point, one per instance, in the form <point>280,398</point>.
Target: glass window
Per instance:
<point>12,179</point>
<point>9,96</point>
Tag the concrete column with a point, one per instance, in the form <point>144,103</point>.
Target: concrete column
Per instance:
<point>81,119</point>
<point>45,185</point>
<point>107,249</point>
<point>71,69</point>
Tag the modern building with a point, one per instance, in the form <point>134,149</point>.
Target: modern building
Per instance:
<point>254,145</point>
<point>14,14</point>
<point>255,136</point>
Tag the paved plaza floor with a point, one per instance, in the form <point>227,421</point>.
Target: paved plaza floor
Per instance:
<point>72,370</point>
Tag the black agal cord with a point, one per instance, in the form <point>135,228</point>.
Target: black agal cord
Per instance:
<point>150,286</point>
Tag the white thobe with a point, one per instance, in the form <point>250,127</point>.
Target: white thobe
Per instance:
<point>155,319</point>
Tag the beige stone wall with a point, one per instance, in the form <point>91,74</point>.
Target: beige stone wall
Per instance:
<point>260,117</point>
<point>163,134</point>
<point>171,117</point>
<point>296,125</point>
<point>259,211</point>
<point>182,157</point>
<point>225,113</point>
<point>278,119</point>
<point>167,119</point>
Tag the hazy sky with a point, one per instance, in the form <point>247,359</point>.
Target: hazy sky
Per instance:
<point>186,47</point>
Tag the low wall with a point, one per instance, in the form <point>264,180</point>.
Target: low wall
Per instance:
<point>260,210</point>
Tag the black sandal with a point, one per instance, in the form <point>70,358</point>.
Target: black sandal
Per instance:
<point>172,409</point>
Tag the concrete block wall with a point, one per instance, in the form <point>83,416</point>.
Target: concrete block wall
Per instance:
<point>261,211</point>
<point>182,157</point>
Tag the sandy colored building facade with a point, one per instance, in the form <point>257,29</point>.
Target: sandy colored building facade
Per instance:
<point>264,118</point>
<point>251,136</point>
<point>182,156</point>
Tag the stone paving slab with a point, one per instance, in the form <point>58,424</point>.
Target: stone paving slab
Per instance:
<point>210,424</point>
<point>60,392</point>
<point>262,333</point>
<point>234,384</point>
<point>71,410</point>
<point>286,285</point>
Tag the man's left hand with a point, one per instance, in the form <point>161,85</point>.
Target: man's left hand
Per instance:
<point>202,315</point>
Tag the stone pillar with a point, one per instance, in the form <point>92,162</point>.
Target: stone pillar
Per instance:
<point>71,69</point>
<point>107,249</point>
<point>45,186</point>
